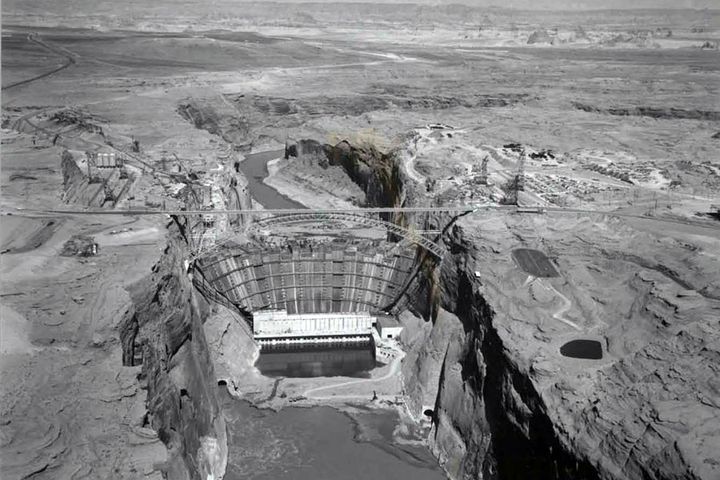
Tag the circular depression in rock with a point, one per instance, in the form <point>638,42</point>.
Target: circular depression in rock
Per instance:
<point>587,349</point>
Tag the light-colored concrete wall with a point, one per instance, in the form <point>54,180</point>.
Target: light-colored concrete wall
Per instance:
<point>394,332</point>
<point>277,323</point>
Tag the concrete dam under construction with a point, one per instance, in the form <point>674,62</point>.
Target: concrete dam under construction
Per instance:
<point>313,311</point>
<point>325,280</point>
<point>358,241</point>
<point>313,292</point>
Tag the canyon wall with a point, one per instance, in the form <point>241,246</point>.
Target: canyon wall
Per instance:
<point>76,185</point>
<point>107,187</point>
<point>377,173</point>
<point>506,404</point>
<point>164,333</point>
<point>234,188</point>
<point>490,420</point>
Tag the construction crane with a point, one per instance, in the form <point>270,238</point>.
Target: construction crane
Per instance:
<point>182,166</point>
<point>516,184</point>
<point>91,163</point>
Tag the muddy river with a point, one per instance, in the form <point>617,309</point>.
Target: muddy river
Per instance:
<point>319,443</point>
<point>254,167</point>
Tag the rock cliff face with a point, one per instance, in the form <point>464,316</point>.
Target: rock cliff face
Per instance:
<point>106,189</point>
<point>490,421</point>
<point>234,187</point>
<point>217,117</point>
<point>232,346</point>
<point>76,185</point>
<point>164,333</point>
<point>379,174</point>
<point>652,112</point>
<point>506,404</point>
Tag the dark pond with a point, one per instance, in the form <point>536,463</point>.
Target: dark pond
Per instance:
<point>588,349</point>
<point>318,443</point>
<point>255,169</point>
<point>317,361</point>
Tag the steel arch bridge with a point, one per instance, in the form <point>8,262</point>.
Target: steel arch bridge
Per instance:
<point>310,217</point>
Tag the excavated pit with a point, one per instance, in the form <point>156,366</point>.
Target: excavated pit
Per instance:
<point>585,349</point>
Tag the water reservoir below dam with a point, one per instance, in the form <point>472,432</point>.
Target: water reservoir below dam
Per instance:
<point>317,360</point>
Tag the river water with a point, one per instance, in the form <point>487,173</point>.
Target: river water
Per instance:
<point>254,167</point>
<point>319,443</point>
<point>317,361</point>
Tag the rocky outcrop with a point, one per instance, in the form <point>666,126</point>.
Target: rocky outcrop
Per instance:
<point>232,346</point>
<point>379,174</point>
<point>217,117</point>
<point>652,112</point>
<point>78,119</point>
<point>233,188</point>
<point>539,36</point>
<point>490,421</point>
<point>76,185</point>
<point>164,333</point>
<point>105,188</point>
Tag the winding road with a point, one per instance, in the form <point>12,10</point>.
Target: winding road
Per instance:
<point>69,60</point>
<point>567,304</point>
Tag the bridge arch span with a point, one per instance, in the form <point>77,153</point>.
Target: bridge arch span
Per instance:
<point>315,217</point>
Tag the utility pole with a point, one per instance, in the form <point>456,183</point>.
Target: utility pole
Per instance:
<point>483,179</point>
<point>520,176</point>
<point>517,183</point>
<point>88,157</point>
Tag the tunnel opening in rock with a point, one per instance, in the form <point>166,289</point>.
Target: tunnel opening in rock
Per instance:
<point>582,348</point>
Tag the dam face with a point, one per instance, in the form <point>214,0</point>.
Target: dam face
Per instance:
<point>305,281</point>
<point>313,309</point>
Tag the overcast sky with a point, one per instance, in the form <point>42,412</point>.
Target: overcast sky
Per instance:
<point>551,4</point>
<point>595,4</point>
